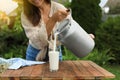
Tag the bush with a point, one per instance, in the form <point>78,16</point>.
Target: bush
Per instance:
<point>13,41</point>
<point>99,57</point>
<point>108,37</point>
<point>87,13</point>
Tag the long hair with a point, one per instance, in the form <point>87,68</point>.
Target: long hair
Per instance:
<point>32,12</point>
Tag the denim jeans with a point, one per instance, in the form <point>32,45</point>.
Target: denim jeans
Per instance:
<point>32,52</point>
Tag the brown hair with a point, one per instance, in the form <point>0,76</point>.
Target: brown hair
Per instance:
<point>32,12</point>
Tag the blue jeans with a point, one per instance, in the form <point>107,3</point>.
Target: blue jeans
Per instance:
<point>32,52</point>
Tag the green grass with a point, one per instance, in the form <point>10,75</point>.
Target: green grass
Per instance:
<point>115,69</point>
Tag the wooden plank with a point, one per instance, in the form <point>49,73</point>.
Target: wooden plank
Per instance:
<point>16,73</point>
<point>106,73</point>
<point>82,68</point>
<point>94,72</point>
<point>73,71</point>
<point>53,75</point>
<point>4,78</point>
<point>85,73</point>
<point>26,73</point>
<point>78,74</point>
<point>7,73</point>
<point>51,79</point>
<point>9,78</point>
<point>14,78</point>
<point>68,72</point>
<point>65,72</point>
<point>37,72</point>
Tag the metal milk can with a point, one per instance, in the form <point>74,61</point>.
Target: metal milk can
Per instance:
<point>75,38</point>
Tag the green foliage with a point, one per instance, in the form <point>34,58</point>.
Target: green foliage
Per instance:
<point>66,3</point>
<point>87,13</point>
<point>68,55</point>
<point>108,37</point>
<point>115,69</point>
<point>99,57</point>
<point>15,51</point>
<point>13,41</point>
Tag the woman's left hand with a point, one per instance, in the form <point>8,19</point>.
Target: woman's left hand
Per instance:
<point>92,36</point>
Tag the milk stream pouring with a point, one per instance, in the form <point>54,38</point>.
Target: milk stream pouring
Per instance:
<point>54,57</point>
<point>75,38</point>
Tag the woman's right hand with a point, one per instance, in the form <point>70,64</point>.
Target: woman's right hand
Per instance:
<point>60,15</point>
<point>56,17</point>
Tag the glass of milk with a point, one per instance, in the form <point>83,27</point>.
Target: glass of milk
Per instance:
<point>53,61</point>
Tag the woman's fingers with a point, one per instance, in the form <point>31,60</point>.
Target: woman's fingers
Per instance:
<point>92,36</point>
<point>60,15</point>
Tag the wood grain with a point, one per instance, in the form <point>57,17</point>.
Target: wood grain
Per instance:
<point>68,70</point>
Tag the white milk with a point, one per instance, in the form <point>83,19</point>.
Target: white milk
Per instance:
<point>53,60</point>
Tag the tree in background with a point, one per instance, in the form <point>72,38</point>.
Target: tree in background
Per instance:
<point>87,13</point>
<point>108,37</point>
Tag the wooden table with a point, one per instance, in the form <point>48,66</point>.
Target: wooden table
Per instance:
<point>68,70</point>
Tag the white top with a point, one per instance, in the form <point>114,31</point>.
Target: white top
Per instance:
<point>38,35</point>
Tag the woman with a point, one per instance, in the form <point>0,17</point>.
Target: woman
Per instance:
<point>39,20</point>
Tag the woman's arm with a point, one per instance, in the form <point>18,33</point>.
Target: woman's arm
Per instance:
<point>57,17</point>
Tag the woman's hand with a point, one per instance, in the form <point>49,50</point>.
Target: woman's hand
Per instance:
<point>56,17</point>
<point>60,15</point>
<point>92,36</point>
